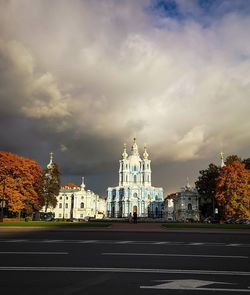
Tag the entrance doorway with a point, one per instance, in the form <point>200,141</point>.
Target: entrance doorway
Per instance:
<point>134,208</point>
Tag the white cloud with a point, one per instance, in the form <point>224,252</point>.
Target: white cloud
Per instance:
<point>182,88</point>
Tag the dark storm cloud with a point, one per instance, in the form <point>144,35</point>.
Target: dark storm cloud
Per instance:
<point>80,78</point>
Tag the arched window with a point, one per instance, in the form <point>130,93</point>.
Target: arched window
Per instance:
<point>189,206</point>
<point>82,205</point>
<point>134,178</point>
<point>66,205</point>
<point>148,178</point>
<point>134,168</point>
<point>126,178</point>
<point>60,205</point>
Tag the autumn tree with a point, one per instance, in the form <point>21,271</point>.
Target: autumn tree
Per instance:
<point>20,183</point>
<point>233,191</point>
<point>206,186</point>
<point>51,188</point>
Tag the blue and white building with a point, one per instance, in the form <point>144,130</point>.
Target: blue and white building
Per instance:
<point>135,192</point>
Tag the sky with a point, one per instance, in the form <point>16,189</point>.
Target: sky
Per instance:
<point>80,78</point>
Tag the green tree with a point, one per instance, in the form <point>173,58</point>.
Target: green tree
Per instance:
<point>51,176</point>
<point>206,186</point>
<point>233,191</point>
<point>247,163</point>
<point>232,158</point>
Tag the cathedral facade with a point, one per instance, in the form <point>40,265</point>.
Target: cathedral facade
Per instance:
<point>135,192</point>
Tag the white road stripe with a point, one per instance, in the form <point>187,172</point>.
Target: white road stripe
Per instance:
<point>16,241</point>
<point>174,255</point>
<point>167,243</point>
<point>36,253</point>
<point>52,241</point>
<point>124,242</point>
<point>203,289</point>
<point>88,242</point>
<point>125,270</point>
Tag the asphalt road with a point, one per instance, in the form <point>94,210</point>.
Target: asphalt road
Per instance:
<point>64,263</point>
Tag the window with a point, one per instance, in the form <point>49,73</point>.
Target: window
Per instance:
<point>60,198</point>
<point>60,205</point>
<point>134,178</point>
<point>126,178</point>
<point>81,198</point>
<point>189,206</point>
<point>82,205</point>
<point>147,166</point>
<point>66,205</point>
<point>67,198</point>
<point>148,178</point>
<point>81,215</point>
<point>60,215</point>
<point>134,168</point>
<point>126,166</point>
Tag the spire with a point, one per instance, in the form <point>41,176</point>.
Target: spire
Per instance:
<point>135,148</point>
<point>50,165</point>
<point>82,184</point>
<point>124,154</point>
<point>145,154</point>
<point>188,186</point>
<point>222,160</point>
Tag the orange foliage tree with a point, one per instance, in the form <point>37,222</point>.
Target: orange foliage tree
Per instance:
<point>233,191</point>
<point>21,183</point>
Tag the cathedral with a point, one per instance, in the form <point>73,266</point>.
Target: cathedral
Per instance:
<point>135,192</point>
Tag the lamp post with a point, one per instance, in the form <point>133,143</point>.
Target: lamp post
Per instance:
<point>2,201</point>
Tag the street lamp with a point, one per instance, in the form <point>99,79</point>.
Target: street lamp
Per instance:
<point>2,201</point>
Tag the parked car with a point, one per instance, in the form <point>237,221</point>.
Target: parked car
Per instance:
<point>230,221</point>
<point>211,219</point>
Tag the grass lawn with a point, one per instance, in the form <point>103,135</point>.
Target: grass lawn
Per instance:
<point>54,224</point>
<point>206,225</point>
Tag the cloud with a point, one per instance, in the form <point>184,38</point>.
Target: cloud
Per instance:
<point>86,76</point>
<point>24,90</point>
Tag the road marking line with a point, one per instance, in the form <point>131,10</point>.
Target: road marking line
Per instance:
<point>36,253</point>
<point>124,242</point>
<point>167,243</point>
<point>173,255</point>
<point>201,289</point>
<point>88,242</point>
<point>125,270</point>
<point>16,241</point>
<point>52,241</point>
